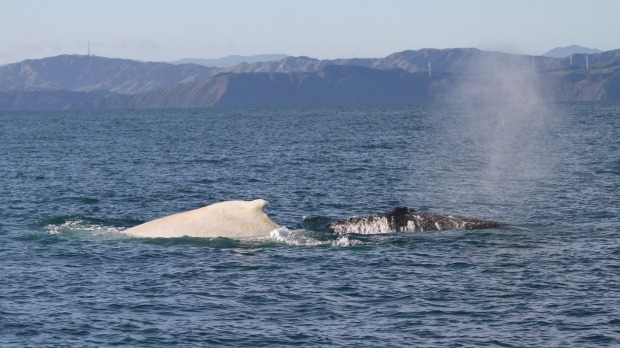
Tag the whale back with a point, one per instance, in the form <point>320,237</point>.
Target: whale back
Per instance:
<point>403,219</point>
<point>232,219</point>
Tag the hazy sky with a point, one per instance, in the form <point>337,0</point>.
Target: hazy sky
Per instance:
<point>165,30</point>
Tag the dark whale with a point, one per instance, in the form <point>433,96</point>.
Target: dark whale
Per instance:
<point>403,219</point>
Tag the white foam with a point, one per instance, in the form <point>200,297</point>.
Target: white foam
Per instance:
<point>82,228</point>
<point>345,241</point>
<point>305,238</point>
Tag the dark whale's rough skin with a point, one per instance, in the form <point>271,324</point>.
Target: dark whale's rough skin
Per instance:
<point>403,219</point>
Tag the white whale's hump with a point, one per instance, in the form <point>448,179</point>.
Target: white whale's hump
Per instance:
<point>231,219</point>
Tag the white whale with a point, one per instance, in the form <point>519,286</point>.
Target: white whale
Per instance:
<point>231,219</point>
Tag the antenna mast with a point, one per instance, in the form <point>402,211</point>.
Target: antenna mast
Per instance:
<point>89,48</point>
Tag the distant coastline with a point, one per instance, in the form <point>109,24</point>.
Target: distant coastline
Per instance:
<point>408,77</point>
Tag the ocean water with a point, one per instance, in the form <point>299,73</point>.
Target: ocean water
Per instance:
<point>73,181</point>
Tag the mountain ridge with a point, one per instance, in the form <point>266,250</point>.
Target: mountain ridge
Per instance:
<point>83,73</point>
<point>412,76</point>
<point>229,61</point>
<point>562,52</point>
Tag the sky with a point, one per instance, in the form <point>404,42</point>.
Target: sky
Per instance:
<point>168,30</point>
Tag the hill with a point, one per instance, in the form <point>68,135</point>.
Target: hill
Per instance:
<point>562,52</point>
<point>334,85</point>
<point>89,73</point>
<point>229,61</point>
<point>452,60</point>
<point>428,75</point>
<point>42,99</point>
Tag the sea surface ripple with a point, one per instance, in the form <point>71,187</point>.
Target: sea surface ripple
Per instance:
<point>72,182</point>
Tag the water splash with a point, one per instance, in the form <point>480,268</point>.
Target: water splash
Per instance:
<point>82,228</point>
<point>309,238</point>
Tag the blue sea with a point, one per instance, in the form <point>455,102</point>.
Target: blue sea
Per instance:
<point>73,181</point>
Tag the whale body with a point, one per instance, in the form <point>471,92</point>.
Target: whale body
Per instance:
<point>403,219</point>
<point>239,219</point>
<point>231,219</point>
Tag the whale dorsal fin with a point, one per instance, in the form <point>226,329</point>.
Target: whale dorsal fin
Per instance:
<point>259,204</point>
